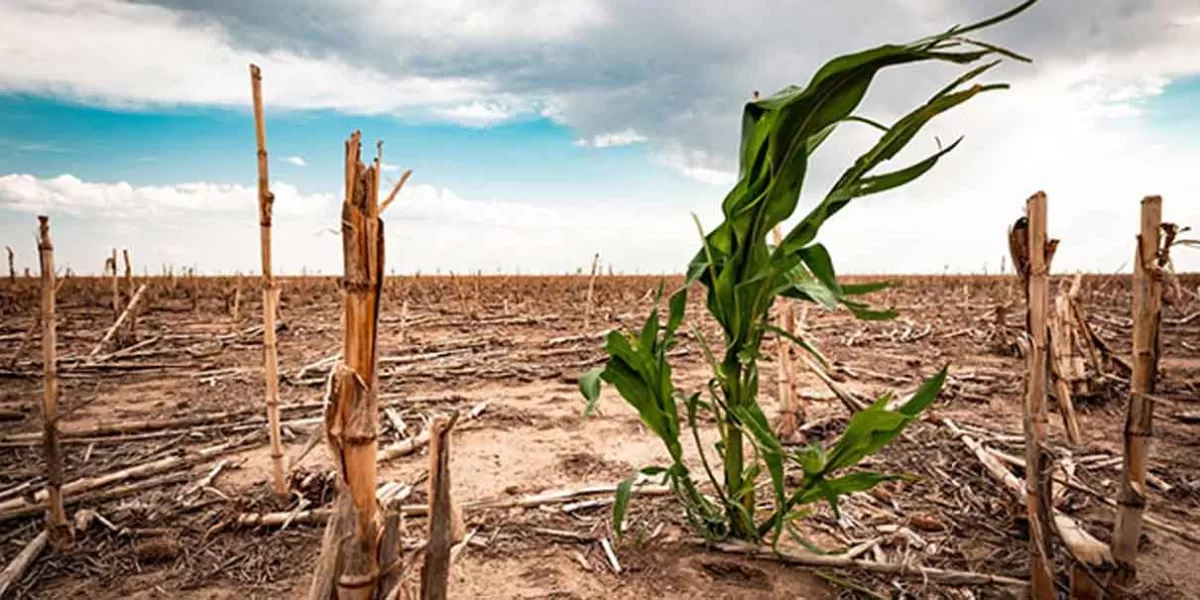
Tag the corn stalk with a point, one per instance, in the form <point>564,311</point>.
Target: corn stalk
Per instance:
<point>1139,415</point>
<point>270,294</point>
<point>743,275</point>
<point>61,535</point>
<point>351,418</point>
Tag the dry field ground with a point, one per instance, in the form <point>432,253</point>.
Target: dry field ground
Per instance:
<point>508,350</point>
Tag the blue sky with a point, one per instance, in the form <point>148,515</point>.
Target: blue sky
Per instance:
<point>542,132</point>
<point>528,159</point>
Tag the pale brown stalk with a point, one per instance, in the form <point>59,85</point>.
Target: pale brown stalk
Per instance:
<point>1037,481</point>
<point>791,413</point>
<point>1063,364</point>
<point>116,285</point>
<point>351,419</point>
<point>435,572</point>
<point>266,201</point>
<point>591,290</point>
<point>13,572</point>
<point>1139,415</point>
<point>121,318</point>
<point>235,309</point>
<point>129,290</point>
<point>59,529</point>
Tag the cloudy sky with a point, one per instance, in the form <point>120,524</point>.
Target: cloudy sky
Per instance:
<point>542,131</point>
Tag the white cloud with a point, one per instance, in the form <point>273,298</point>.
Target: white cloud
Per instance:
<point>296,160</point>
<point>389,167</point>
<point>428,228</point>
<point>96,200</point>
<point>431,228</point>
<point>191,63</point>
<point>1094,162</point>
<point>474,114</point>
<point>696,165</point>
<point>612,139</point>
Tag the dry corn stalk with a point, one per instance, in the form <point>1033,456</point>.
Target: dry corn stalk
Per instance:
<point>235,309</point>
<point>351,418</point>
<point>1139,416</point>
<point>591,290</point>
<point>1034,266</point>
<point>444,519</point>
<point>270,358</point>
<point>61,535</point>
<point>121,318</point>
<point>1065,365</point>
<point>791,412</point>
<point>116,286</point>
<point>129,290</point>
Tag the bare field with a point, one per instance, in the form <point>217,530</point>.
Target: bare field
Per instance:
<point>508,351</point>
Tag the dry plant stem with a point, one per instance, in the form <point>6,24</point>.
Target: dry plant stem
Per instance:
<point>266,200</point>
<point>435,572</point>
<point>852,403</point>
<point>321,515</point>
<point>1037,483</point>
<point>351,420</point>
<point>129,290</point>
<point>116,287</point>
<point>1093,553</point>
<point>1083,329</point>
<point>128,272</point>
<point>395,190</point>
<point>791,413</point>
<point>1062,364</point>
<point>12,276</point>
<point>13,572</point>
<point>122,428</point>
<point>391,557</point>
<point>337,529</point>
<point>1147,315</point>
<point>791,557</point>
<point>57,526</point>
<point>237,302</point>
<point>120,319</point>
<point>16,355</point>
<point>591,290</point>
<point>19,507</point>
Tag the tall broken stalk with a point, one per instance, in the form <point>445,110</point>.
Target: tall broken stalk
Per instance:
<point>236,307</point>
<point>435,572</point>
<point>128,272</point>
<point>1036,272</point>
<point>116,287</point>
<point>1139,416</point>
<point>270,360</point>
<point>12,269</point>
<point>61,535</point>
<point>125,314</point>
<point>130,290</point>
<point>591,290</point>
<point>351,417</point>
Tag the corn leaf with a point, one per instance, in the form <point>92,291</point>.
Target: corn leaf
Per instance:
<point>589,386</point>
<point>621,504</point>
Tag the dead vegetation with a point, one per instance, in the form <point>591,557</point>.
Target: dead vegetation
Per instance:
<point>165,451</point>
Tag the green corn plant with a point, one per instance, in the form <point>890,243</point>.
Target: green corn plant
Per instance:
<point>743,275</point>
